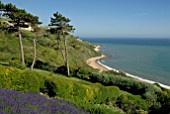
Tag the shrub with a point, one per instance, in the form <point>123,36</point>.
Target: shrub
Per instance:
<point>16,79</point>
<point>112,72</point>
<point>17,64</point>
<point>83,94</point>
<point>33,82</point>
<point>150,95</point>
<point>123,82</point>
<point>45,66</point>
<point>132,104</point>
<point>162,105</point>
<point>81,73</point>
<point>61,70</point>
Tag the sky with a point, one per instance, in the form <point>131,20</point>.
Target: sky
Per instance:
<point>106,18</point>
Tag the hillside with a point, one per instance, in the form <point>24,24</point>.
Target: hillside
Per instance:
<point>108,92</point>
<point>48,55</point>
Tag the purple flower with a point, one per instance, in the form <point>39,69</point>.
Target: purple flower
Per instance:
<point>18,103</point>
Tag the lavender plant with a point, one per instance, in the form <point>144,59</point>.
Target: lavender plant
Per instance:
<point>14,102</point>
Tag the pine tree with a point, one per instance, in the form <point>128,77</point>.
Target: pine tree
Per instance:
<point>61,25</point>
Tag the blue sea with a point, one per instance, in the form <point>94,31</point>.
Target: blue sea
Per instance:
<point>147,58</point>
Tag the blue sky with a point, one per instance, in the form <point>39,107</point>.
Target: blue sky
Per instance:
<point>106,18</point>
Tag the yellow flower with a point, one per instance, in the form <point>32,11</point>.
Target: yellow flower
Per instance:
<point>7,71</point>
<point>89,93</point>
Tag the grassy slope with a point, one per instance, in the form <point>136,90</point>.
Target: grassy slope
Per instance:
<point>47,52</point>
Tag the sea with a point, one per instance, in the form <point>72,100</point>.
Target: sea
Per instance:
<point>147,58</point>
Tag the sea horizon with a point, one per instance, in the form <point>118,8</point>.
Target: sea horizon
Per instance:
<point>144,58</point>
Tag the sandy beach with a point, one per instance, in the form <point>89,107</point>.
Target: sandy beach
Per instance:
<point>96,64</point>
<point>93,62</point>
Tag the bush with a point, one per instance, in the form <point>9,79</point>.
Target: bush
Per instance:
<point>132,104</point>
<point>15,79</point>
<point>83,94</point>
<point>162,105</point>
<point>45,66</point>
<point>111,72</point>
<point>61,70</point>
<point>81,73</point>
<point>17,64</point>
<point>123,82</point>
<point>33,82</point>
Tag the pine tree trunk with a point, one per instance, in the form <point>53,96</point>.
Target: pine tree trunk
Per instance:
<point>21,47</point>
<point>35,53</point>
<point>66,54</point>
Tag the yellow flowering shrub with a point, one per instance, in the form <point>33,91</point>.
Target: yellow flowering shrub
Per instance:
<point>16,79</point>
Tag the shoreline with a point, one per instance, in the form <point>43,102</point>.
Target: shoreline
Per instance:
<point>135,77</point>
<point>95,63</point>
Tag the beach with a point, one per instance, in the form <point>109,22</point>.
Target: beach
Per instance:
<point>96,64</point>
<point>93,62</point>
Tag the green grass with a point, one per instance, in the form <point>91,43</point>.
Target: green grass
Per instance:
<point>47,53</point>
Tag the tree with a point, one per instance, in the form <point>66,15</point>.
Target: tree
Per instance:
<point>61,25</point>
<point>35,23</point>
<point>19,18</point>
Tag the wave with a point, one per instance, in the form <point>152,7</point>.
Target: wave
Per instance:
<point>135,77</point>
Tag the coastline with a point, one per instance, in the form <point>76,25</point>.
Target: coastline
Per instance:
<point>95,63</point>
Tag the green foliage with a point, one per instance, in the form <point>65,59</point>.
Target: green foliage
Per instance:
<point>162,105</point>
<point>128,84</point>
<point>84,94</point>
<point>48,56</point>
<point>82,73</point>
<point>111,72</point>
<point>46,42</point>
<point>94,98</point>
<point>27,35</point>
<point>17,64</point>
<point>132,104</point>
<point>19,80</point>
<point>150,95</point>
<point>91,97</point>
